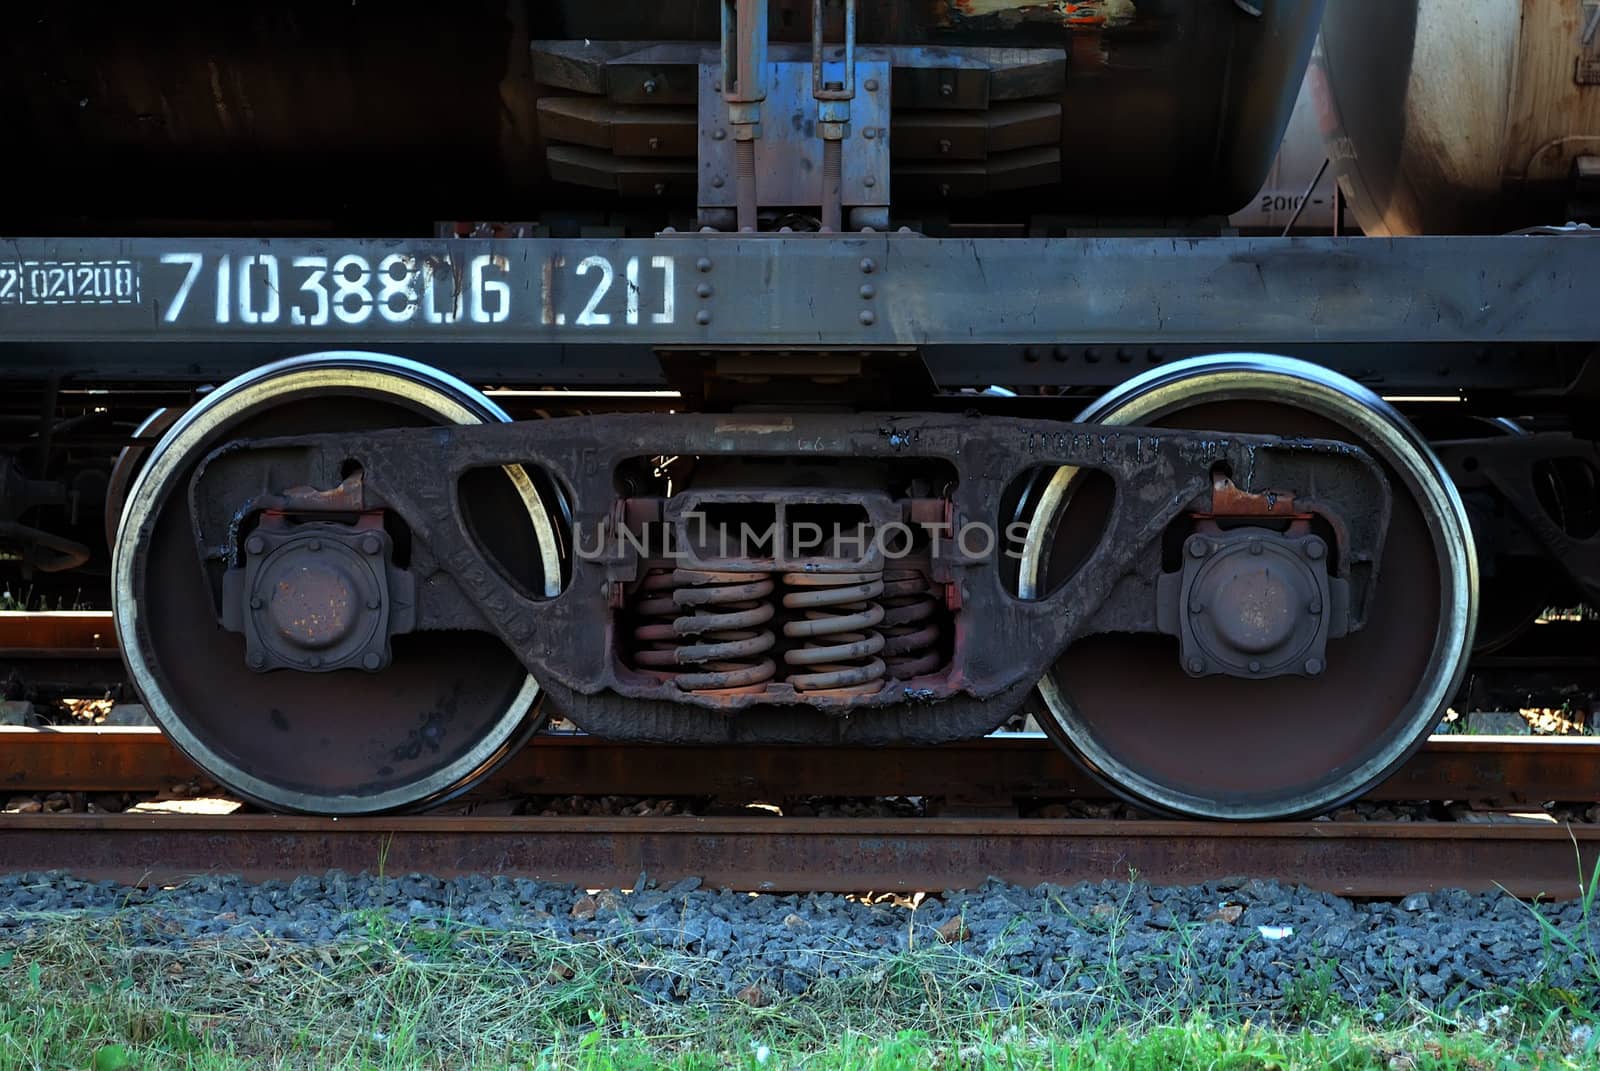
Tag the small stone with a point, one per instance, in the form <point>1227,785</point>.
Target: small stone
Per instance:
<point>24,805</point>
<point>129,715</point>
<point>753,995</point>
<point>1497,723</point>
<point>954,930</point>
<point>1228,913</point>
<point>585,908</point>
<point>792,921</point>
<point>17,712</point>
<point>608,901</point>
<point>1415,902</point>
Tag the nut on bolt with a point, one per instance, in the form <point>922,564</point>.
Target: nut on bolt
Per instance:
<point>1197,547</point>
<point>1315,548</point>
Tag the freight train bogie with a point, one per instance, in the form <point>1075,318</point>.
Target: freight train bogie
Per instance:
<point>333,606</point>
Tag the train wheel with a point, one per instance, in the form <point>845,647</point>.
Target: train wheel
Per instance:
<point>1232,748</point>
<point>448,708</point>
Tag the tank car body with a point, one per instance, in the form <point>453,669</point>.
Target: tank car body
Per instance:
<point>768,372</point>
<point>1445,119</point>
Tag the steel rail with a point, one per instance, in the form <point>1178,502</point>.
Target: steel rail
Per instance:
<point>992,772</point>
<point>793,854</point>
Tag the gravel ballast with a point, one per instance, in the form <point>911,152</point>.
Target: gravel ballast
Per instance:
<point>1244,943</point>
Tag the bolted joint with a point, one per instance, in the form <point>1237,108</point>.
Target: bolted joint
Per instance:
<point>1253,603</point>
<point>833,131</point>
<point>833,111</point>
<point>318,596</point>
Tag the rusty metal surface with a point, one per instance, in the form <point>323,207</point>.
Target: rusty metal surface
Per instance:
<point>1360,859</point>
<point>60,632</point>
<point>997,657</point>
<point>1507,771</point>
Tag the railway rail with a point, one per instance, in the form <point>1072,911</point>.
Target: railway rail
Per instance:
<point>816,854</point>
<point>994,771</point>
<point>767,853</point>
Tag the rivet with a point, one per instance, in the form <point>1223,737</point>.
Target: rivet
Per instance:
<point>1195,605</point>
<point>1315,606</point>
<point>868,265</point>
<point>946,89</point>
<point>870,85</point>
<point>371,544</point>
<point>704,290</point>
<point>869,133</point>
<point>867,317</point>
<point>868,291</point>
<point>255,545</point>
<point>1030,354</point>
<point>718,135</point>
<point>717,182</point>
<point>255,602</point>
<point>1313,666</point>
<point>649,85</point>
<point>704,263</point>
<point>372,660</point>
<point>373,603</point>
<point>654,143</point>
<point>703,316</point>
<point>1255,546</point>
<point>1059,353</point>
<point>314,661</point>
<point>314,545</point>
<point>869,182</point>
<point>257,658</point>
<point>1255,667</point>
<point>944,145</point>
<point>1315,549</point>
<point>1198,548</point>
<point>1092,354</point>
<point>1197,665</point>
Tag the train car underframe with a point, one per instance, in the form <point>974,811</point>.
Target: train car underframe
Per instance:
<point>412,521</point>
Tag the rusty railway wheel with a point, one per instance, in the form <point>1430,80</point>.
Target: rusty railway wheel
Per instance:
<point>448,708</point>
<point>1227,747</point>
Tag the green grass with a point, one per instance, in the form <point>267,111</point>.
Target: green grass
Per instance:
<point>97,993</point>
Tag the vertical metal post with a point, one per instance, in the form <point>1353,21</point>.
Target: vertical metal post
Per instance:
<point>833,111</point>
<point>744,87</point>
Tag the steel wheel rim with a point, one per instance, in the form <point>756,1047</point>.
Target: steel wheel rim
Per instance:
<point>425,391</point>
<point>1378,426</point>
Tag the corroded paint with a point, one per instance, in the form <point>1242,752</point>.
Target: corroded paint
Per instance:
<point>1098,14</point>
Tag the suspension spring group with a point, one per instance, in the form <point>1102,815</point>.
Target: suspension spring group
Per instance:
<point>843,633</point>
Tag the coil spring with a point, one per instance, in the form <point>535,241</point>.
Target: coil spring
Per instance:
<point>840,653</point>
<point>727,610</point>
<point>910,628</point>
